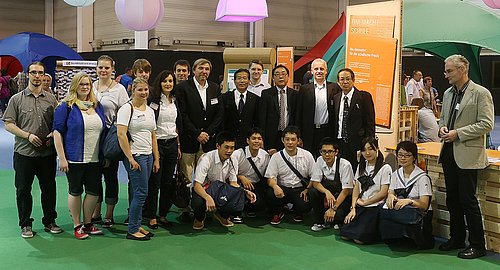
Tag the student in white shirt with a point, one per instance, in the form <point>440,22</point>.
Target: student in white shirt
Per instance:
<point>332,182</point>
<point>370,190</point>
<point>410,191</point>
<point>250,178</point>
<point>286,185</point>
<point>215,165</point>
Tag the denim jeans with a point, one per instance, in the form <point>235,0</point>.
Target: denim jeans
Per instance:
<point>138,180</point>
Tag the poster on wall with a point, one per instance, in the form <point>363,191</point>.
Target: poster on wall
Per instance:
<point>66,69</point>
<point>371,53</point>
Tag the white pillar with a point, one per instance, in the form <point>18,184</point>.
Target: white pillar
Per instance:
<point>84,28</point>
<point>49,18</point>
<point>141,40</point>
<point>256,34</point>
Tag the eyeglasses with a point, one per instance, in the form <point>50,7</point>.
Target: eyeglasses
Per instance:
<point>405,155</point>
<point>280,74</point>
<point>327,152</point>
<point>34,73</point>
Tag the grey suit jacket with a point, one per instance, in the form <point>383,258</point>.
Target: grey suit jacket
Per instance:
<point>475,118</point>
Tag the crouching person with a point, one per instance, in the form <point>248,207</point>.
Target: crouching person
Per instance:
<point>216,165</point>
<point>332,182</point>
<point>407,209</point>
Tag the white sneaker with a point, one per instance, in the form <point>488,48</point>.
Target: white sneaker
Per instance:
<point>336,227</point>
<point>27,232</point>
<point>319,227</point>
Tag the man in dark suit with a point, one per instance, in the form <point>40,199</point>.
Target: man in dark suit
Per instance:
<point>276,113</point>
<point>354,117</point>
<point>315,108</point>
<point>201,115</point>
<point>240,108</point>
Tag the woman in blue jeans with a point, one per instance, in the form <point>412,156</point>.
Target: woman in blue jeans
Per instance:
<point>141,153</point>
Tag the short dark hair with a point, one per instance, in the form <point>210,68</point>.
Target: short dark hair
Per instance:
<point>281,66</point>
<point>37,63</point>
<point>242,70</point>
<point>182,62</point>
<point>225,136</point>
<point>257,62</point>
<point>141,64</point>
<point>348,70</point>
<point>427,78</point>
<point>410,147</point>
<point>292,130</point>
<point>329,141</point>
<point>254,130</point>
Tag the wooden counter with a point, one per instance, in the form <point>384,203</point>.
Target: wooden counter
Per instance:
<point>488,194</point>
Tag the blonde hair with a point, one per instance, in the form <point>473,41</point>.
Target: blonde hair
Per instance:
<point>138,81</point>
<point>72,97</point>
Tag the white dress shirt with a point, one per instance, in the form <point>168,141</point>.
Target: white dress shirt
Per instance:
<point>211,168</point>
<point>245,168</point>
<point>345,170</point>
<point>277,169</point>
<point>202,90</point>
<point>321,109</point>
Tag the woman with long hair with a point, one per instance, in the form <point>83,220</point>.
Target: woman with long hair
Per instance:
<point>112,96</point>
<point>167,116</point>
<point>370,190</point>
<point>141,153</point>
<point>79,122</point>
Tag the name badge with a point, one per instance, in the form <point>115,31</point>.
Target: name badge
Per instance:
<point>141,118</point>
<point>154,106</point>
<point>457,107</point>
<point>214,101</point>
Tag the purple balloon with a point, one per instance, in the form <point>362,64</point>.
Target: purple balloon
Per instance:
<point>139,15</point>
<point>492,3</point>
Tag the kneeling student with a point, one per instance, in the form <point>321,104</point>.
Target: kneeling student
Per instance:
<point>216,165</point>
<point>407,210</point>
<point>332,182</point>
<point>287,174</point>
<point>252,164</point>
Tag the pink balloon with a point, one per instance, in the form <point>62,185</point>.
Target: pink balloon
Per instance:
<point>492,3</point>
<point>139,15</point>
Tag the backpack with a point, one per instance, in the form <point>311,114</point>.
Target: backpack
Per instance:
<point>13,87</point>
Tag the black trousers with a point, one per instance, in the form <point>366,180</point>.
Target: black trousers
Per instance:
<point>318,135</point>
<point>260,192</point>
<point>44,168</point>
<point>110,174</point>
<point>163,181</point>
<point>318,204</point>
<point>292,195</point>
<point>346,152</point>
<point>461,200</point>
<point>199,206</point>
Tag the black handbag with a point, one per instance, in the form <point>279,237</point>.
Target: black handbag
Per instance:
<point>181,194</point>
<point>228,199</point>
<point>111,146</point>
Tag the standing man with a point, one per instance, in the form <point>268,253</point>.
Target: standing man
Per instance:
<point>413,86</point>
<point>182,70</point>
<point>240,108</point>
<point>354,117</point>
<point>277,109</point>
<point>466,117</point>
<point>315,106</point>
<point>29,116</point>
<point>201,116</point>
<point>256,83</point>
<point>126,78</point>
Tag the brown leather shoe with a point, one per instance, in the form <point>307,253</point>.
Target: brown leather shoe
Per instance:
<point>198,225</point>
<point>224,221</point>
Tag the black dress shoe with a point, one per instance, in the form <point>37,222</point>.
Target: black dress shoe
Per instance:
<point>471,253</point>
<point>152,226</point>
<point>133,237</point>
<point>451,245</point>
<point>164,222</point>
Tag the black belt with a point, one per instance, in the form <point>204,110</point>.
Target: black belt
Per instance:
<point>164,141</point>
<point>319,126</point>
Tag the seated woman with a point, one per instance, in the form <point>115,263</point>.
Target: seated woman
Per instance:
<point>370,190</point>
<point>405,213</point>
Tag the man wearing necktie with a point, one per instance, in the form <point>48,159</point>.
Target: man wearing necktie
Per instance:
<point>240,108</point>
<point>315,107</point>
<point>354,117</point>
<point>466,117</point>
<point>277,109</point>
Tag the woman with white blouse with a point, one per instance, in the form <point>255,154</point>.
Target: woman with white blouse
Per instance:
<point>141,153</point>
<point>78,126</point>
<point>370,190</point>
<point>112,96</point>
